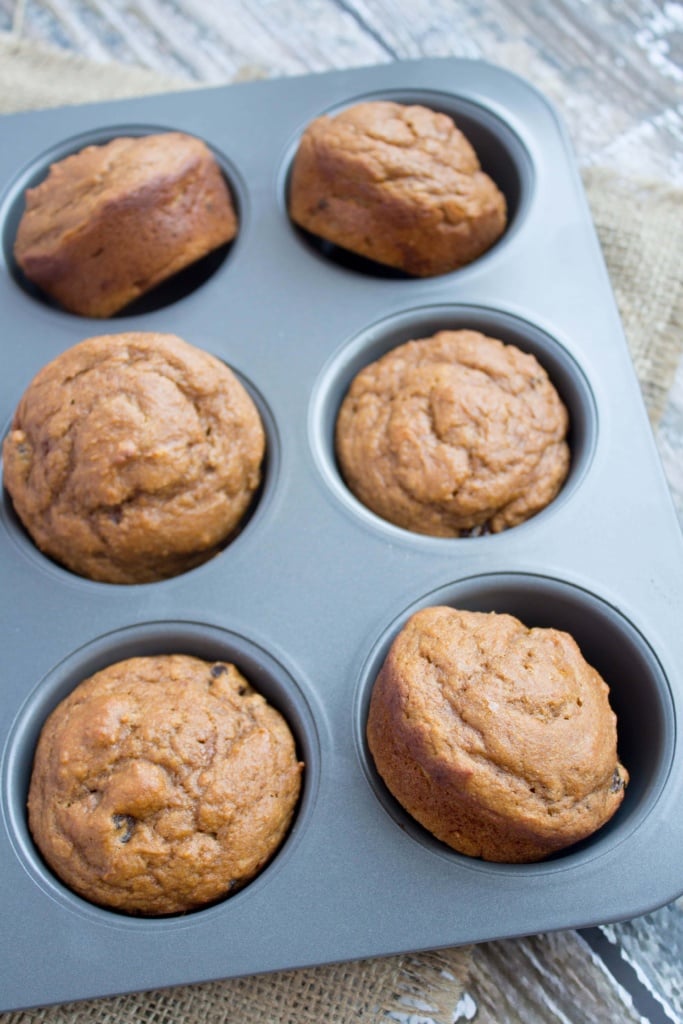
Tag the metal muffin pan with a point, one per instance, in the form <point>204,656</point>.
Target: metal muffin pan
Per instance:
<point>308,596</point>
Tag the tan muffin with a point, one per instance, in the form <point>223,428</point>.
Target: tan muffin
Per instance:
<point>453,434</point>
<point>162,784</point>
<point>111,222</point>
<point>397,184</point>
<point>499,739</point>
<point>133,457</point>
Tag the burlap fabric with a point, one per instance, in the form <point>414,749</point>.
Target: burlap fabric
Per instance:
<point>364,992</point>
<point>637,225</point>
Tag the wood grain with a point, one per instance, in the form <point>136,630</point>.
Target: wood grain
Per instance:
<point>542,978</point>
<point>613,69</point>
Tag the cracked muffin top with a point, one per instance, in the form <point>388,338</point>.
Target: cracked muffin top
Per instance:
<point>496,737</point>
<point>162,784</point>
<point>397,184</point>
<point>453,434</point>
<point>133,457</point>
<point>111,222</point>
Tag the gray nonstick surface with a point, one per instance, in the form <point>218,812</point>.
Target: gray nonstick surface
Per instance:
<point>308,597</point>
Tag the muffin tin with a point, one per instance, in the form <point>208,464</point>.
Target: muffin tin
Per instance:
<point>308,597</point>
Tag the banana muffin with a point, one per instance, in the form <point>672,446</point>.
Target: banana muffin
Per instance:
<point>162,784</point>
<point>498,739</point>
<point>133,457</point>
<point>452,435</point>
<point>397,184</point>
<point>111,222</point>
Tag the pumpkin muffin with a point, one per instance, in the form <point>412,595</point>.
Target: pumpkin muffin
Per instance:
<point>133,457</point>
<point>499,739</point>
<point>397,184</point>
<point>453,435</point>
<point>111,222</point>
<point>162,784</point>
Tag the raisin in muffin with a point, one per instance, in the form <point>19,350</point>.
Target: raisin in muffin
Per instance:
<point>453,434</point>
<point>111,222</point>
<point>162,784</point>
<point>498,739</point>
<point>133,457</point>
<point>397,184</point>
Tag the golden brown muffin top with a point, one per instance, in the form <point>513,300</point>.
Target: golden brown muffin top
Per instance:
<point>398,184</point>
<point>507,723</point>
<point>77,186</point>
<point>161,784</point>
<point>133,456</point>
<point>446,434</point>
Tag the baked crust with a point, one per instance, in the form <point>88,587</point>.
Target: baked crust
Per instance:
<point>111,222</point>
<point>133,457</point>
<point>397,184</point>
<point>162,784</point>
<point>497,738</point>
<point>453,434</point>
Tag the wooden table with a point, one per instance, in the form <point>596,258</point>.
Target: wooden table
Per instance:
<point>614,70</point>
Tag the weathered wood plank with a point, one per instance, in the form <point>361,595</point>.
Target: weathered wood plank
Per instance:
<point>614,70</point>
<point>206,42</point>
<point>550,977</point>
<point>653,946</point>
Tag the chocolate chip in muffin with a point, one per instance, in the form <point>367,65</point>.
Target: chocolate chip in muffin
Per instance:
<point>124,825</point>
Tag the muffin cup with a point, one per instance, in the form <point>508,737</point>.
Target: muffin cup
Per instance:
<point>168,292</point>
<point>639,695</point>
<point>385,335</point>
<point>267,676</point>
<point>262,496</point>
<point>501,152</point>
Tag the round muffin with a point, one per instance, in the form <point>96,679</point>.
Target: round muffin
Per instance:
<point>133,457</point>
<point>111,222</point>
<point>397,184</point>
<point>498,739</point>
<point>453,434</point>
<point>162,784</point>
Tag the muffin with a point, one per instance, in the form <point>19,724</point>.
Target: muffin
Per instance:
<point>452,435</point>
<point>162,784</point>
<point>498,739</point>
<point>111,222</point>
<point>133,457</point>
<point>398,184</point>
